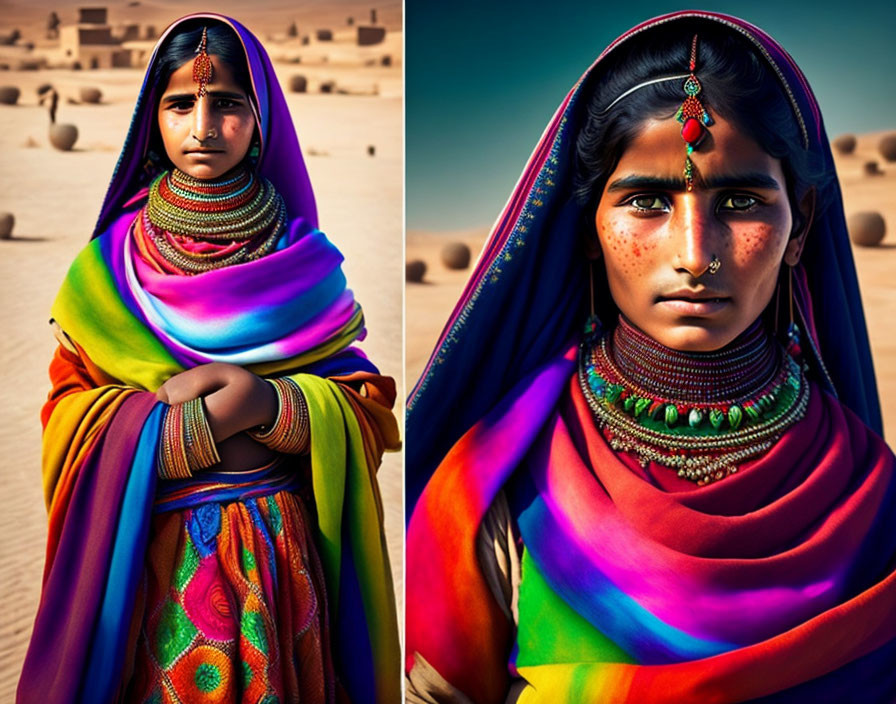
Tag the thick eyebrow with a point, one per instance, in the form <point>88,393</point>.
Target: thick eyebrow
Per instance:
<point>178,97</point>
<point>660,183</point>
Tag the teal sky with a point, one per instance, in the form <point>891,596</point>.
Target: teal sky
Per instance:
<point>484,78</point>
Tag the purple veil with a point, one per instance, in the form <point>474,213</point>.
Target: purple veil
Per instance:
<point>280,160</point>
<point>527,298</point>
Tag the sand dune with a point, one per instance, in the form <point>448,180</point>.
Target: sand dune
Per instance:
<point>55,197</point>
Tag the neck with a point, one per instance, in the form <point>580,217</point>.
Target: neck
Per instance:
<point>227,182</point>
<point>701,414</point>
<point>746,365</point>
<point>193,225</point>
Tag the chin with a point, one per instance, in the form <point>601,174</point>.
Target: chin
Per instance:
<point>204,170</point>
<point>696,337</point>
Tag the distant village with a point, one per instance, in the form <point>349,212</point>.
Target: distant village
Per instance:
<point>93,43</point>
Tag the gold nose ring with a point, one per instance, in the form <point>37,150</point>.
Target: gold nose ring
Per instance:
<point>714,265</point>
<point>212,133</point>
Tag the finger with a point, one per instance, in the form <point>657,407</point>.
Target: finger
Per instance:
<point>197,381</point>
<point>201,380</point>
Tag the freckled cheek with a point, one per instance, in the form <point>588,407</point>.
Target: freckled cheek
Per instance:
<point>754,243</point>
<point>623,249</point>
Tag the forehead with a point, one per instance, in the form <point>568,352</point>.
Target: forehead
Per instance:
<point>659,150</point>
<point>181,80</point>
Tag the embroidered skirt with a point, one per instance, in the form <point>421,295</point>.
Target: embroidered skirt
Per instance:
<point>234,607</point>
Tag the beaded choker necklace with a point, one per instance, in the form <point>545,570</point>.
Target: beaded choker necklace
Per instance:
<point>190,225</point>
<point>701,414</point>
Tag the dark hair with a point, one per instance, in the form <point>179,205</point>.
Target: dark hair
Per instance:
<point>180,47</point>
<point>738,85</point>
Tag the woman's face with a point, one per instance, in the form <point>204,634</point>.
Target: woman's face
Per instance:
<point>657,239</point>
<point>205,137</point>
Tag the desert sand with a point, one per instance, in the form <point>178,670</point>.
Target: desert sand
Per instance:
<point>55,197</point>
<point>429,304</point>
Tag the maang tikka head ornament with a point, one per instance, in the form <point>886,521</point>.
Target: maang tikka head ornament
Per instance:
<point>202,66</point>
<point>694,117</point>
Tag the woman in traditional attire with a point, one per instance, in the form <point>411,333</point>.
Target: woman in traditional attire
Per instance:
<point>690,500</point>
<point>212,435</point>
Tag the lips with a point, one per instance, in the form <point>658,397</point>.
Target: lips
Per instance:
<point>694,303</point>
<point>693,295</point>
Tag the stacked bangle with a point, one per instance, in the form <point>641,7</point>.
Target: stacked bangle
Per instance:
<point>173,462</point>
<point>187,441</point>
<point>201,449</point>
<point>291,432</point>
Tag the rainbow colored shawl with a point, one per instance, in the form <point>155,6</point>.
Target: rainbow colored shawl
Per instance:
<point>288,313</point>
<point>780,579</point>
<point>776,584</point>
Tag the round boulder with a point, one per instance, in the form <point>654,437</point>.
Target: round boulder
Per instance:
<point>9,95</point>
<point>866,229</point>
<point>7,220</point>
<point>328,87</point>
<point>872,168</point>
<point>845,143</point>
<point>414,271</point>
<point>91,95</point>
<point>456,255</point>
<point>887,146</point>
<point>63,137</point>
<point>298,84</point>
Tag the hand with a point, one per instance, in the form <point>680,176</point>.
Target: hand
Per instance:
<point>195,382</point>
<point>235,399</point>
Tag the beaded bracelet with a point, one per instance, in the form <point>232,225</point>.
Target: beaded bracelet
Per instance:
<point>187,441</point>
<point>291,432</point>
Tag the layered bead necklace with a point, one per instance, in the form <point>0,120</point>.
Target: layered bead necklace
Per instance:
<point>701,414</point>
<point>190,225</point>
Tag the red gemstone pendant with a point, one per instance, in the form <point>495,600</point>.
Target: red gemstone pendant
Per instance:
<point>692,131</point>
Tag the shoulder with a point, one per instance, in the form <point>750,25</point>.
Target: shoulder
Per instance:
<point>834,439</point>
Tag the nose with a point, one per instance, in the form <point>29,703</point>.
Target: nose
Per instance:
<point>696,239</point>
<point>203,120</point>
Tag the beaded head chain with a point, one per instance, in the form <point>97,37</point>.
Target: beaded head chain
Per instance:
<point>693,117</point>
<point>691,114</point>
<point>202,65</point>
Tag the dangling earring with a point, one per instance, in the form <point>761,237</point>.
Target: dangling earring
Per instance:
<point>151,165</point>
<point>777,327</point>
<point>593,324</point>
<point>793,332</point>
<point>254,151</point>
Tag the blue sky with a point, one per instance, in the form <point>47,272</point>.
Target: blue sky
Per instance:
<point>484,78</point>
